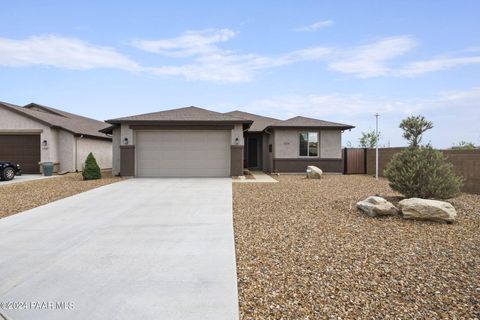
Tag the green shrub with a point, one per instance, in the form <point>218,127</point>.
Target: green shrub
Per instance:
<point>91,170</point>
<point>422,173</point>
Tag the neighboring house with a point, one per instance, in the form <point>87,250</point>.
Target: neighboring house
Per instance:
<point>34,134</point>
<point>194,142</point>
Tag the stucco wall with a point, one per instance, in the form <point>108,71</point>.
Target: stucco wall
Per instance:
<point>12,122</point>
<point>101,149</point>
<point>53,145</point>
<point>237,132</point>
<point>286,143</point>
<point>126,132</point>
<point>267,155</point>
<point>116,151</point>
<point>66,151</point>
<point>331,144</point>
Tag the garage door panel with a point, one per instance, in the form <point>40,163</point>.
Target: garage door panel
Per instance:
<point>199,153</point>
<point>22,149</point>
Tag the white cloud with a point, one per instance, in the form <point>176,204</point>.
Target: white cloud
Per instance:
<point>225,66</point>
<point>68,53</point>
<point>353,105</point>
<point>379,59</point>
<point>436,64</point>
<point>371,60</point>
<point>208,62</point>
<point>190,43</point>
<point>315,26</point>
<point>212,63</point>
<point>197,55</point>
<point>314,105</point>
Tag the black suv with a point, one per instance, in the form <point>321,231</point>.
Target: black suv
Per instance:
<point>8,170</point>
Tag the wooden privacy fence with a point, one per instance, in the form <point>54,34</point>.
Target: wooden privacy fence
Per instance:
<point>466,163</point>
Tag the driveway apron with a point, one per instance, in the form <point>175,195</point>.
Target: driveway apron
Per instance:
<point>137,249</point>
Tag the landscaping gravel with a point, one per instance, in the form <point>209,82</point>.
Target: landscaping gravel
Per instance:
<point>18,197</point>
<point>305,252</point>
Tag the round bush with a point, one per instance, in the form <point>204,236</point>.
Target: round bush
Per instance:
<point>422,173</point>
<point>91,171</point>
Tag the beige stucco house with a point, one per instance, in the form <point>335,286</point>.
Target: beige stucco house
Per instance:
<point>34,133</point>
<point>291,145</point>
<point>195,142</point>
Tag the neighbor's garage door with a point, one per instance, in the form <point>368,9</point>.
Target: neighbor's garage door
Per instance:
<point>199,153</point>
<point>21,149</point>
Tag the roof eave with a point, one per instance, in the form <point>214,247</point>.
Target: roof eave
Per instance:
<point>109,129</point>
<point>179,122</point>
<point>312,127</point>
<point>80,133</point>
<point>93,136</point>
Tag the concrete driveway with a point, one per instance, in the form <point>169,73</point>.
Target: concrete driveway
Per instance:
<point>137,249</point>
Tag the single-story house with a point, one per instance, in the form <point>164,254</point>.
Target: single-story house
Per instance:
<point>33,134</point>
<point>195,142</point>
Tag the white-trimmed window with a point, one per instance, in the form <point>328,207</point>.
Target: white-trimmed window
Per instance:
<point>308,144</point>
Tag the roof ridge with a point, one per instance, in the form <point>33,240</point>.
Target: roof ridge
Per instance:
<point>155,112</point>
<point>46,108</point>
<point>191,113</point>
<point>253,114</point>
<point>301,121</point>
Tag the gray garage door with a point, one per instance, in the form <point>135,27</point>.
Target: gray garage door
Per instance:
<point>196,153</point>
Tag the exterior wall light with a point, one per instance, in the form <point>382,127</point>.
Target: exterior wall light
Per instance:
<point>125,141</point>
<point>44,143</point>
<point>237,141</point>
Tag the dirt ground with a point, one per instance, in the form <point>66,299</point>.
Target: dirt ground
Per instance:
<point>18,197</point>
<point>305,252</point>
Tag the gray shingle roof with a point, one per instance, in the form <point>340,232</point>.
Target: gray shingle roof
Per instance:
<point>298,122</point>
<point>259,122</point>
<point>57,118</point>
<point>188,114</point>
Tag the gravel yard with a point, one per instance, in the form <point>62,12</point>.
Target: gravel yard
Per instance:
<point>305,252</point>
<point>18,197</point>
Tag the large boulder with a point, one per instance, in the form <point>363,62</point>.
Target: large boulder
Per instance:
<point>423,209</point>
<point>377,206</point>
<point>314,172</point>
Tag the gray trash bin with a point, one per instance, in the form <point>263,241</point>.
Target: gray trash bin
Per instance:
<point>47,168</point>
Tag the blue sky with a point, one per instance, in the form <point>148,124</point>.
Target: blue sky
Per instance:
<point>333,60</point>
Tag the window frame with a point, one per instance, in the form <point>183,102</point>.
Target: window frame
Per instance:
<point>308,142</point>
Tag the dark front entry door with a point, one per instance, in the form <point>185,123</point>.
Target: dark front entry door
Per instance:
<point>252,149</point>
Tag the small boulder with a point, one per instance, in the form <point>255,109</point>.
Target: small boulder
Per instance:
<point>314,172</point>
<point>377,206</point>
<point>423,209</point>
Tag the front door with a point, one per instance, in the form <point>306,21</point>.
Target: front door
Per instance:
<point>252,147</point>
